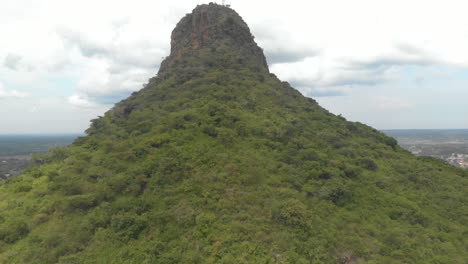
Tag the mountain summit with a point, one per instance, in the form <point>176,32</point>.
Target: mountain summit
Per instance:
<point>216,160</point>
<point>213,29</point>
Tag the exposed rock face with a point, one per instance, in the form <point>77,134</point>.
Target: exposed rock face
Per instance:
<point>213,27</point>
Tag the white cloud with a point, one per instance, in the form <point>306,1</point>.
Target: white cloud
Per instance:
<point>103,82</point>
<point>362,42</point>
<point>44,115</point>
<point>79,101</point>
<point>12,61</point>
<point>280,46</point>
<point>4,93</point>
<point>108,54</point>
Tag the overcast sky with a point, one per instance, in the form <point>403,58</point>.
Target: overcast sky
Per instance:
<point>389,64</point>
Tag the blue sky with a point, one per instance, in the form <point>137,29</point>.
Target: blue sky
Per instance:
<point>389,64</point>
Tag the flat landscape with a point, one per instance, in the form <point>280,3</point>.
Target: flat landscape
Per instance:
<point>450,145</point>
<point>16,150</point>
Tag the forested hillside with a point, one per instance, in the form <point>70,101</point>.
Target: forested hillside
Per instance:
<point>218,161</point>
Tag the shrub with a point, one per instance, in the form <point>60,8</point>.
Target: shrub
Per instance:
<point>128,225</point>
<point>13,231</point>
<point>292,212</point>
<point>367,164</point>
<point>40,218</point>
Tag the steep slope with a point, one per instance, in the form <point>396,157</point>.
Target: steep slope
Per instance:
<point>218,161</point>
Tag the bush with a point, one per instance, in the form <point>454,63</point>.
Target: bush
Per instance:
<point>367,164</point>
<point>293,213</point>
<point>40,218</point>
<point>79,202</point>
<point>226,136</point>
<point>128,225</point>
<point>23,187</point>
<point>336,192</point>
<point>13,231</point>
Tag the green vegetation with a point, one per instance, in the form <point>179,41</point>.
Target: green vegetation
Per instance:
<point>217,161</point>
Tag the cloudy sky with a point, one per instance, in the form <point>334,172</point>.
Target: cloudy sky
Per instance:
<point>389,64</point>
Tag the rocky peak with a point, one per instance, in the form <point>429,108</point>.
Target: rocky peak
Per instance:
<point>212,26</point>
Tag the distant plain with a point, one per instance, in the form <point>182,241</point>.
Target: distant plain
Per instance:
<point>438,143</point>
<point>16,150</point>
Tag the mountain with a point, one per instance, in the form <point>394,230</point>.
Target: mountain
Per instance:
<point>216,160</point>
